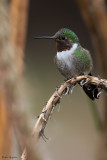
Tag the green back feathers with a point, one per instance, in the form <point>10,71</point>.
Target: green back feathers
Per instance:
<point>83,56</point>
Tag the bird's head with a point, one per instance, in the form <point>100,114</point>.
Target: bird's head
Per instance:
<point>64,38</point>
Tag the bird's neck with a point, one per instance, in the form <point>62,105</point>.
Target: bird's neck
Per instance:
<point>69,49</point>
<point>63,46</point>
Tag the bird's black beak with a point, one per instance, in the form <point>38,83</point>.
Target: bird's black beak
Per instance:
<point>44,37</point>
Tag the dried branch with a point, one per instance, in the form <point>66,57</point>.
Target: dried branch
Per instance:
<point>55,98</point>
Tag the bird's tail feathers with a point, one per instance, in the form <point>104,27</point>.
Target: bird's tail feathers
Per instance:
<point>91,90</point>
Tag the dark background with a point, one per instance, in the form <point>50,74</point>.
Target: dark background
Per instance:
<point>72,132</point>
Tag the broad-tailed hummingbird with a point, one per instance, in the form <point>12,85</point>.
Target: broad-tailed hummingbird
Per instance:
<point>72,59</point>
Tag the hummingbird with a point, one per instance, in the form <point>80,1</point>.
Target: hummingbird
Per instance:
<point>72,59</point>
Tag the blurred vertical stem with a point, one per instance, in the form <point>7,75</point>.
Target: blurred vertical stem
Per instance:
<point>18,22</point>
<point>17,39</point>
<point>5,128</point>
<point>94,13</point>
<point>95,16</point>
<point>5,124</point>
<point>13,20</point>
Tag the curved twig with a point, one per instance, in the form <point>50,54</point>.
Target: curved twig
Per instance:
<point>55,98</point>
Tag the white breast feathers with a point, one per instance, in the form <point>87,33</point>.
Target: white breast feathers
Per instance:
<point>65,56</point>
